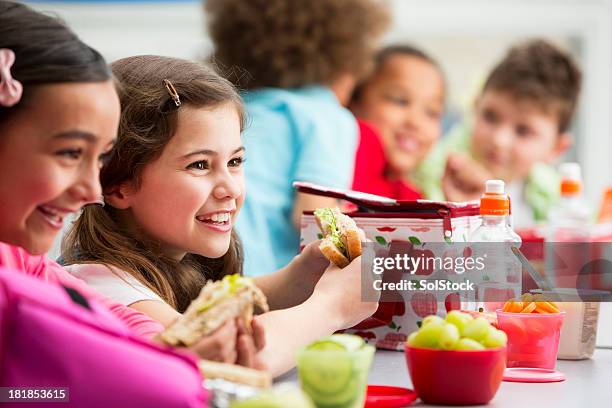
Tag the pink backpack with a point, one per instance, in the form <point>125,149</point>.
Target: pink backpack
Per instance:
<point>51,336</point>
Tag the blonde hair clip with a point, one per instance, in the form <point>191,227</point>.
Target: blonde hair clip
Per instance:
<point>172,91</point>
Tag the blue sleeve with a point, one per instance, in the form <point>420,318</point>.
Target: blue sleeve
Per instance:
<point>327,145</point>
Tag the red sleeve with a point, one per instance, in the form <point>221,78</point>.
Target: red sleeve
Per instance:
<point>405,191</point>
<point>370,163</point>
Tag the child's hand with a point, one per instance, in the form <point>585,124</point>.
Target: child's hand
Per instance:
<point>312,263</point>
<point>249,344</point>
<point>464,179</point>
<point>220,345</point>
<point>307,268</point>
<point>343,288</point>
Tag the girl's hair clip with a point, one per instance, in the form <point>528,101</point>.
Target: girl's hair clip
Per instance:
<point>172,91</point>
<point>99,201</point>
<point>10,88</point>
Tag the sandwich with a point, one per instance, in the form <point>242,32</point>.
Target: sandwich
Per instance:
<point>341,241</point>
<point>212,370</point>
<point>232,297</point>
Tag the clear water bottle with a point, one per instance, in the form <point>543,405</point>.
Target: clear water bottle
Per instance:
<point>502,277</point>
<point>567,236</point>
<point>569,219</point>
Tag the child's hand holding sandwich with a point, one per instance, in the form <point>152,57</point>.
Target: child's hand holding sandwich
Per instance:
<point>218,325</point>
<point>232,343</point>
<point>299,278</point>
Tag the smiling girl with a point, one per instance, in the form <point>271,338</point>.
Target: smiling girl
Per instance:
<point>59,114</point>
<point>400,110</point>
<point>173,187</point>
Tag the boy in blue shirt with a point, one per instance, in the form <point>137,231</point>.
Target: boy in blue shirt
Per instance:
<point>301,66</point>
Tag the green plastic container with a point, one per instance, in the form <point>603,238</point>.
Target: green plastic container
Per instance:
<point>334,377</point>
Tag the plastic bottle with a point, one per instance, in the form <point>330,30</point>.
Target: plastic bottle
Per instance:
<point>502,277</point>
<point>569,219</point>
<point>567,234</point>
<point>567,251</point>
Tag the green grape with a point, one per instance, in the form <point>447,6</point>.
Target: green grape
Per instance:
<point>277,397</point>
<point>459,319</point>
<point>457,313</point>
<point>448,337</point>
<point>412,339</point>
<point>468,344</point>
<point>428,336</point>
<point>495,338</point>
<point>432,319</point>
<point>477,329</point>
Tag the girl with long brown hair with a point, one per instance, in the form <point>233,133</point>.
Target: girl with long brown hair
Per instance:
<point>172,188</point>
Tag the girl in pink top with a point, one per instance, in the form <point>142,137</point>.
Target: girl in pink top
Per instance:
<point>59,114</point>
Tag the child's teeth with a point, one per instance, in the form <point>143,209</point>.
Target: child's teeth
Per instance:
<point>219,217</point>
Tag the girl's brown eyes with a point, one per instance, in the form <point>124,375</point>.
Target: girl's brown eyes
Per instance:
<point>237,162</point>
<point>199,165</point>
<point>204,165</point>
<point>73,154</point>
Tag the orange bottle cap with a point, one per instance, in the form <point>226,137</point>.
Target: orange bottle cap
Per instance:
<point>571,179</point>
<point>494,204</point>
<point>570,187</point>
<point>494,201</point>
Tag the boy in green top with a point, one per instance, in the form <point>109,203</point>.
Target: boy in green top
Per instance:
<point>520,126</point>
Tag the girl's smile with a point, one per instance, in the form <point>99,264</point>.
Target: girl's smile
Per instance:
<point>220,221</point>
<point>187,199</point>
<point>51,153</point>
<point>54,216</point>
<point>404,100</point>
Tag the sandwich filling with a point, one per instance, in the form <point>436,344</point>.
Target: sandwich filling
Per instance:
<point>230,284</point>
<point>327,216</point>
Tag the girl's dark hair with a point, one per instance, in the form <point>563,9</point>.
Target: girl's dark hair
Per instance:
<point>148,122</point>
<point>46,51</point>
<point>398,49</point>
<point>403,49</point>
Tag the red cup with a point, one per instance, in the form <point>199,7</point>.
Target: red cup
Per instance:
<point>533,338</point>
<point>456,377</point>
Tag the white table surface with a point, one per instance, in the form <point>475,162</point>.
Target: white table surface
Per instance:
<point>588,383</point>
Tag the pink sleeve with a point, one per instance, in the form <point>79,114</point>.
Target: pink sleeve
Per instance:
<point>48,270</point>
<point>139,323</point>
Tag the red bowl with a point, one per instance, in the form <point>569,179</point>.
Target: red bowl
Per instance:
<point>470,377</point>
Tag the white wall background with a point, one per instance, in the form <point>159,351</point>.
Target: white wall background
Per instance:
<point>466,36</point>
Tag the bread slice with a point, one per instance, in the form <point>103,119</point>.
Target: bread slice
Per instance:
<point>353,243</point>
<point>331,252</point>
<point>235,373</point>
<point>349,233</point>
